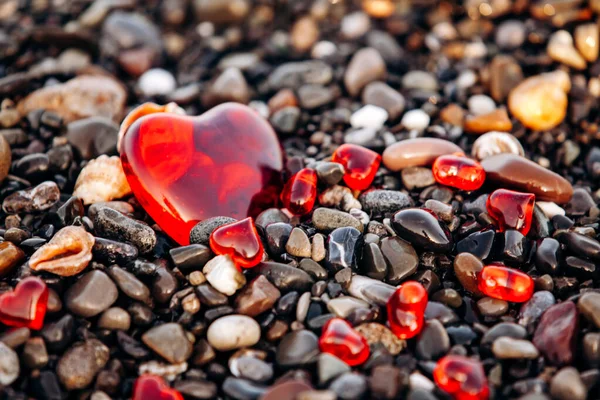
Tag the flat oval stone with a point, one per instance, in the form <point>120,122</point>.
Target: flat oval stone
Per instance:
<point>516,172</point>
<point>417,152</point>
<point>422,229</point>
<point>91,294</point>
<point>298,348</point>
<point>401,257</point>
<point>233,332</point>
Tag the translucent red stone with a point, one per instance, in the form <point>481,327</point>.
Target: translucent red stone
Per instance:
<point>25,307</point>
<point>406,309</point>
<point>360,163</point>
<point>512,210</point>
<point>151,387</point>
<point>338,338</point>
<point>461,377</point>
<point>239,240</point>
<point>226,162</point>
<point>300,192</point>
<point>459,172</point>
<point>505,283</point>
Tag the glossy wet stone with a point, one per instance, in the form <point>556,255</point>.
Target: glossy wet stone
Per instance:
<point>459,172</point>
<point>252,175</point>
<point>91,294</point>
<point>466,268</point>
<point>581,245</point>
<point>373,264</point>
<point>406,309</point>
<point>10,257</point>
<point>548,256</point>
<point>417,152</point>
<point>298,348</point>
<point>26,305</point>
<point>233,332</point>
<point>344,246</point>
<point>401,258</point>
<point>513,247</point>
<point>568,385</point>
<point>505,283</point>
<point>338,338</point>
<point>533,309</point>
<point>462,377</point>
<point>285,277</point>
<point>240,241</point>
<point>514,172</point>
<point>480,244</point>
<point>360,165</point>
<point>277,235</point>
<point>589,306</point>
<point>300,192</point>
<point>511,210</point>
<point>433,342</point>
<point>422,228</point>
<point>190,258</point>
<point>257,297</point>
<point>556,334</point>
<point>516,349</point>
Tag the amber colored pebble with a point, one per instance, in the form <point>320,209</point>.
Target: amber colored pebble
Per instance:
<point>504,283</point>
<point>239,240</point>
<point>463,378</point>
<point>10,257</point>
<point>26,305</point>
<point>151,387</point>
<point>338,338</point>
<point>416,152</point>
<point>540,102</point>
<point>360,164</point>
<point>453,114</point>
<point>512,210</point>
<point>458,171</point>
<point>586,40</point>
<point>300,192</point>
<point>379,8</point>
<point>518,173</point>
<point>497,120</point>
<point>406,309</point>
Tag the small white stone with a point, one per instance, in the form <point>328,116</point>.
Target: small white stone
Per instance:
<point>167,371</point>
<point>222,274</point>
<point>416,120</point>
<point>550,209</point>
<point>419,381</point>
<point>323,49</point>
<point>233,332</point>
<point>360,215</point>
<point>342,306</point>
<point>302,307</point>
<point>419,80</point>
<point>481,104</point>
<point>361,136</point>
<point>260,107</point>
<point>355,25</point>
<point>157,82</point>
<point>369,116</point>
<point>9,365</point>
<point>466,79</point>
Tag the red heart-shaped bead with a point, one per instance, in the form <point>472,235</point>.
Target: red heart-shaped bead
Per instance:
<point>150,387</point>
<point>226,162</point>
<point>338,338</point>
<point>239,240</point>
<point>26,305</point>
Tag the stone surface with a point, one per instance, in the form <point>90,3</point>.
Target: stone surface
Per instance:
<point>257,297</point>
<point>556,333</point>
<point>366,66</point>
<point>416,152</point>
<point>78,367</point>
<point>233,332</point>
<point>91,294</point>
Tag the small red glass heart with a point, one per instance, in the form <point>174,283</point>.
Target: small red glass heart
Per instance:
<point>226,162</point>
<point>26,305</point>
<point>150,387</point>
<point>239,240</point>
<point>338,338</point>
<point>360,163</point>
<point>300,192</point>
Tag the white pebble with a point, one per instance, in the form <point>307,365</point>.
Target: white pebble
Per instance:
<point>466,79</point>
<point>323,49</point>
<point>369,116</point>
<point>481,104</point>
<point>157,82</point>
<point>167,371</point>
<point>222,274</point>
<point>419,381</point>
<point>233,332</point>
<point>550,209</point>
<point>355,25</point>
<point>9,365</point>
<point>416,120</point>
<point>360,136</point>
<point>302,307</point>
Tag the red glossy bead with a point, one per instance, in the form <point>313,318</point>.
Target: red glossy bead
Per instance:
<point>406,309</point>
<point>239,240</point>
<point>512,210</point>
<point>505,283</point>
<point>226,162</point>
<point>300,192</point>
<point>458,171</point>
<point>338,338</point>
<point>26,305</point>
<point>150,387</point>
<point>361,165</point>
<point>461,377</point>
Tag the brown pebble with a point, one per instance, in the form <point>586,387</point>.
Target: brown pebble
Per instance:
<point>515,172</point>
<point>586,41</point>
<point>10,257</point>
<point>466,267</point>
<point>5,158</point>
<point>379,8</point>
<point>277,330</point>
<point>286,390</point>
<point>453,114</point>
<point>505,74</point>
<point>497,120</point>
<point>67,253</point>
<point>257,297</point>
<point>366,66</point>
<point>38,198</point>
<point>540,102</point>
<point>283,98</point>
<point>304,34</point>
<point>416,152</point>
<point>490,307</point>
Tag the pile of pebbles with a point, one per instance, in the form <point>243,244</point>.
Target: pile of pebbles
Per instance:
<point>373,73</point>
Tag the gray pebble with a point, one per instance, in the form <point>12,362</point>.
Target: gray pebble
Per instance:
<point>112,224</point>
<point>200,233</point>
<point>129,284</point>
<point>91,294</point>
<point>349,386</point>
<point>384,202</point>
<point>115,318</point>
<point>297,348</point>
<point>169,341</point>
<point>38,198</point>
<point>327,219</point>
<point>79,365</point>
<point>9,365</point>
<point>508,348</point>
<point>330,173</point>
<point>567,385</point>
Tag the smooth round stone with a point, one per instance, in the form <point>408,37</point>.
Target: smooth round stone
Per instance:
<point>547,256</point>
<point>504,329</point>
<point>349,386</point>
<point>233,332</point>
<point>344,305</point>
<point>586,41</point>
<point>492,307</point>
<point>157,82</point>
<point>518,173</point>
<point>493,143</point>
<point>508,348</point>
<point>419,80</point>
<point>366,66</point>
<point>169,341</point>
<point>9,365</point>
<point>480,104</point>
<point>237,388</point>
<point>401,257</point>
<point>466,267</point>
<point>422,229</point>
<point>369,116</point>
<point>591,348</point>
<point>416,152</point>
<point>589,306</point>
<point>416,120</point>
<point>510,34</point>
<point>298,348</point>
<point>115,318</point>
<point>329,367</point>
<point>251,368</point>
<point>567,385</point>
<point>556,333</point>
<point>382,95</point>
<point>91,294</point>
<point>433,342</point>
<point>78,367</point>
<point>535,307</point>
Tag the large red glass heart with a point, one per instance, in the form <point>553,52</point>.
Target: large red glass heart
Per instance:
<point>26,305</point>
<point>226,162</point>
<point>150,387</point>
